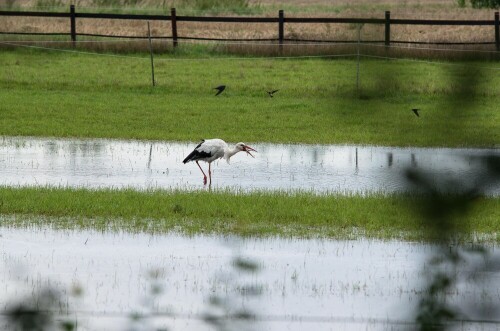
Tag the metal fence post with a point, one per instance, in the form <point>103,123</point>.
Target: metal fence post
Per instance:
<point>173,16</point>
<point>357,62</point>
<point>497,31</point>
<point>281,29</point>
<point>151,53</point>
<point>73,23</point>
<point>387,28</point>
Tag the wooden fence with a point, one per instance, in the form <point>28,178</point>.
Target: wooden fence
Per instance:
<point>387,21</point>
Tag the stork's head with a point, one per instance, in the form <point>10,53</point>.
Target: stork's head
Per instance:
<point>242,147</point>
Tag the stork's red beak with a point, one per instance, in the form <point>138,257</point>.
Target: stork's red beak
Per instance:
<point>248,149</point>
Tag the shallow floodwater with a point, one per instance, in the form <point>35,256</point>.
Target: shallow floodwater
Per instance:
<point>302,284</point>
<point>99,163</point>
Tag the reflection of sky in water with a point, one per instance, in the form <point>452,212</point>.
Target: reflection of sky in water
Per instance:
<point>145,165</point>
<point>309,278</point>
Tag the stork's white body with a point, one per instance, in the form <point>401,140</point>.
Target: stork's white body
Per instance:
<point>217,148</point>
<point>212,149</point>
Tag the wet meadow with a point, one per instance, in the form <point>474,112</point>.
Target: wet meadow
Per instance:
<point>104,237</point>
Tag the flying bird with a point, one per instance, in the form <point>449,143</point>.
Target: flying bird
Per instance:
<point>415,110</point>
<point>220,89</point>
<point>272,92</point>
<point>212,149</point>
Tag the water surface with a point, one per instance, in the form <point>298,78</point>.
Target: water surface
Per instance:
<point>303,284</point>
<point>100,163</point>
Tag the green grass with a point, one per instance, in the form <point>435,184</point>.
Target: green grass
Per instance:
<point>75,95</point>
<point>226,212</point>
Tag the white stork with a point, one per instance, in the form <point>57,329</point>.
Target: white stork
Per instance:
<point>213,149</point>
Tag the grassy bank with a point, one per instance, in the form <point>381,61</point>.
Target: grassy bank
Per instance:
<point>259,214</point>
<point>75,95</point>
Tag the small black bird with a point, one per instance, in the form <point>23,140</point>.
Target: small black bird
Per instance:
<point>220,89</point>
<point>415,110</point>
<point>272,92</point>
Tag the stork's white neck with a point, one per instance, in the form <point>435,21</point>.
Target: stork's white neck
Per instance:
<point>230,151</point>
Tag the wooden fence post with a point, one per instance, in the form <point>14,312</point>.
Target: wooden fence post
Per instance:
<point>281,29</point>
<point>73,23</point>
<point>173,16</point>
<point>387,28</point>
<point>497,31</point>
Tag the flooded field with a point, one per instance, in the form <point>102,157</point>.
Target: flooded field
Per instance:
<point>101,163</point>
<point>103,278</point>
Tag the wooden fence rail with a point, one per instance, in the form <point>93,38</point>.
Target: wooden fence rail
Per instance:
<point>387,21</point>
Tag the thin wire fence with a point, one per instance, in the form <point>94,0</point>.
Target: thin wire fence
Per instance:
<point>218,58</point>
<point>249,42</point>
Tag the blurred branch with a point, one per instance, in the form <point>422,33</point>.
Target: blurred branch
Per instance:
<point>442,208</point>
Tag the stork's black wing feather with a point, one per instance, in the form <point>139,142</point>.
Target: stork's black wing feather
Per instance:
<point>196,154</point>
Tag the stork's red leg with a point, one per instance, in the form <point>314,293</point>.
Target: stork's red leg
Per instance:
<point>209,173</point>
<point>204,176</point>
